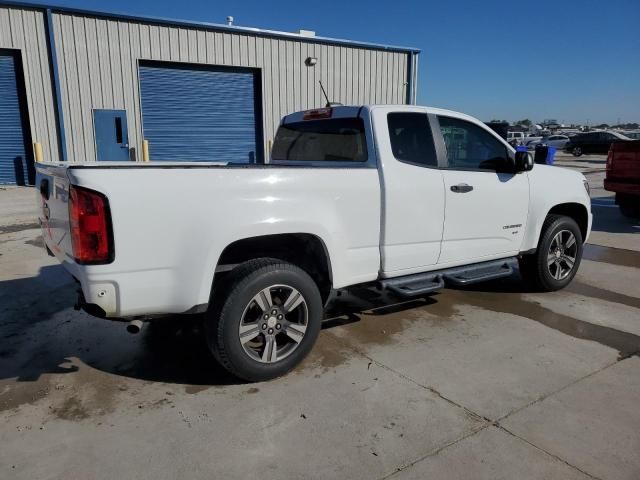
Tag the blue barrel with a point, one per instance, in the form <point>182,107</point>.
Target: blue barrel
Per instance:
<point>544,154</point>
<point>550,154</point>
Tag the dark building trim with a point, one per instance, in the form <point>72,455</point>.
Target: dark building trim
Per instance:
<point>209,26</point>
<point>55,79</point>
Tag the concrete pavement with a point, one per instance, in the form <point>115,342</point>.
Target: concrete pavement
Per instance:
<point>491,381</point>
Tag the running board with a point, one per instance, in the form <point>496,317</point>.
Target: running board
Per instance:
<point>414,285</point>
<point>429,282</point>
<point>480,272</point>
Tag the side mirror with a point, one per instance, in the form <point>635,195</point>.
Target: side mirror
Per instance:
<point>523,161</point>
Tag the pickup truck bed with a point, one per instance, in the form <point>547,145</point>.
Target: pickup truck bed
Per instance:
<point>158,225</point>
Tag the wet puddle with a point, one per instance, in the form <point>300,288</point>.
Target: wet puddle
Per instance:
<point>603,294</point>
<point>627,344</point>
<point>614,256</point>
<point>380,316</point>
<point>376,322</point>
<point>18,228</point>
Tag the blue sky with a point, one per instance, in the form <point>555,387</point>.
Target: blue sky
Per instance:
<point>575,61</point>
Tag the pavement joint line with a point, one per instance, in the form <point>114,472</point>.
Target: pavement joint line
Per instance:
<point>595,243</point>
<point>433,452</point>
<point>547,452</point>
<point>555,392</point>
<point>468,411</point>
<point>486,421</point>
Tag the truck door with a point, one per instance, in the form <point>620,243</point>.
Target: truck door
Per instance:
<point>486,210</point>
<point>413,192</point>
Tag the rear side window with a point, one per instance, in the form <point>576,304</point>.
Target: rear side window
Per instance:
<point>337,139</point>
<point>411,138</point>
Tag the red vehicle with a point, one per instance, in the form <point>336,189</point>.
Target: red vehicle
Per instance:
<point>623,176</point>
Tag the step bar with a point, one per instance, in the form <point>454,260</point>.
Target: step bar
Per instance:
<point>429,282</point>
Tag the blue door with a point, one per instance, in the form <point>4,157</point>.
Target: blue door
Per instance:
<point>16,167</point>
<point>201,113</point>
<point>112,137</point>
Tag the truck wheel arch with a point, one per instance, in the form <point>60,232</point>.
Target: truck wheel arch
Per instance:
<point>576,211</point>
<point>307,251</point>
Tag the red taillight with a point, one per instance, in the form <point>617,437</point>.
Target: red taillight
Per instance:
<point>318,113</point>
<point>90,221</point>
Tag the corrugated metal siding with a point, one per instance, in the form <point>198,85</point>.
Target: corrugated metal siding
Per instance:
<point>24,30</point>
<point>198,114</point>
<point>11,133</point>
<point>105,73</point>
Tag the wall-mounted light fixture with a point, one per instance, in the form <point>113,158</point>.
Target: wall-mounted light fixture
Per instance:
<point>311,61</point>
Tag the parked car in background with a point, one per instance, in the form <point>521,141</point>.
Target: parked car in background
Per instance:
<point>623,176</point>
<point>515,138</point>
<point>557,141</point>
<point>531,137</point>
<point>593,142</point>
<point>570,133</point>
<point>632,135</point>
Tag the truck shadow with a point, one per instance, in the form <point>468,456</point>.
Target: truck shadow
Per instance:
<point>608,218</point>
<point>42,335</point>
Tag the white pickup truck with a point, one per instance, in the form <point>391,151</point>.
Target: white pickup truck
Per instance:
<point>404,198</point>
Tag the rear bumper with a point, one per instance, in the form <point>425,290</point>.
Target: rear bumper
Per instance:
<point>151,293</point>
<point>622,187</point>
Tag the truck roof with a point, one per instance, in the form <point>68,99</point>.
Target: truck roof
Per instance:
<point>345,111</point>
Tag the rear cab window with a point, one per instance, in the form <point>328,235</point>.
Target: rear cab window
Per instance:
<point>322,140</point>
<point>411,138</point>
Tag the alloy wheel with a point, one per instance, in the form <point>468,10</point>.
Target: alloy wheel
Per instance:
<point>561,257</point>
<point>273,323</point>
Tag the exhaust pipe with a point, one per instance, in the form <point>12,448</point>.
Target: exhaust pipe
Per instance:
<point>134,326</point>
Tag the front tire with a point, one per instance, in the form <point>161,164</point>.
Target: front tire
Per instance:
<point>265,319</point>
<point>577,151</point>
<point>557,257</point>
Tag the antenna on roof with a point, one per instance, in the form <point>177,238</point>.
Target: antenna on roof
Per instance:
<point>329,102</point>
<point>324,93</point>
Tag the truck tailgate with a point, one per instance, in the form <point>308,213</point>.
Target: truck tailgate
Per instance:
<point>53,215</point>
<point>624,161</point>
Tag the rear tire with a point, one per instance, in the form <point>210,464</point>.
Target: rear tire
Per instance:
<point>243,333</point>
<point>629,205</point>
<point>557,257</point>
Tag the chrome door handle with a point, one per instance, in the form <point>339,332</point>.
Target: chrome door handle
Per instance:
<point>461,188</point>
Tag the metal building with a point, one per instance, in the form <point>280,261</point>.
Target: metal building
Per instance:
<point>90,86</point>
